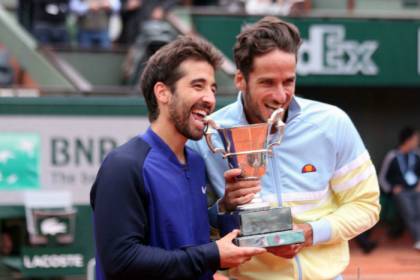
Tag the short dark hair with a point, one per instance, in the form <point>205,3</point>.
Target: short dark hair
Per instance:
<point>163,66</point>
<point>405,134</point>
<point>260,38</point>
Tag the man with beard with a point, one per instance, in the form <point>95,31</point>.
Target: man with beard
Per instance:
<point>149,197</point>
<point>321,169</point>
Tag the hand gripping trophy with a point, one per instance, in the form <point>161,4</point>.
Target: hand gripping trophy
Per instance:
<point>247,147</point>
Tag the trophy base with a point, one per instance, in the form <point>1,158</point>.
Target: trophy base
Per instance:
<point>273,239</point>
<point>262,228</point>
<point>256,222</point>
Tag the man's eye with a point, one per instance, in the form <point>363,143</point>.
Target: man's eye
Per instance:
<point>289,82</point>
<point>267,83</point>
<point>198,86</point>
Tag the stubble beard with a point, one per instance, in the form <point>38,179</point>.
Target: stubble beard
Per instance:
<point>180,118</point>
<point>251,108</point>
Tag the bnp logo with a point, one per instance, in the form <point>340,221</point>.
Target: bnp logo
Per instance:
<point>19,161</point>
<point>327,51</point>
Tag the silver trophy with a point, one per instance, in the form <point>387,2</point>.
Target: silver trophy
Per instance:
<point>248,147</point>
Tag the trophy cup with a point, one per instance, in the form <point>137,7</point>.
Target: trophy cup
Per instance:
<point>247,147</point>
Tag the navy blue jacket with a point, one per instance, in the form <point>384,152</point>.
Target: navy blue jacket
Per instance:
<point>150,214</point>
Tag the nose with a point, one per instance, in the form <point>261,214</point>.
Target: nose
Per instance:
<point>280,94</point>
<point>209,98</point>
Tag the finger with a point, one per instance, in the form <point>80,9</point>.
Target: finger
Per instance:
<point>294,248</point>
<point>288,256</point>
<point>243,192</point>
<point>244,260</point>
<point>252,251</point>
<point>254,186</point>
<point>274,250</point>
<point>235,201</point>
<point>233,195</point>
<point>247,259</point>
<point>243,199</point>
<point>299,247</point>
<point>284,248</point>
<point>231,235</point>
<point>231,174</point>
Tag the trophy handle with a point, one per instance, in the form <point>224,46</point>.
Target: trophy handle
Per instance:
<point>276,120</point>
<point>208,134</point>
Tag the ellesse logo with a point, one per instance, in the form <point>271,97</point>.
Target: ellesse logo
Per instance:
<point>307,168</point>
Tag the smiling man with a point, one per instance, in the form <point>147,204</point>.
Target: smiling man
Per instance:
<point>321,169</point>
<point>149,197</point>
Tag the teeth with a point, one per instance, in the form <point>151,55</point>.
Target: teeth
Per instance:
<point>272,108</point>
<point>200,113</point>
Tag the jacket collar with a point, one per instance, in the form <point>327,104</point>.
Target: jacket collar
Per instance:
<point>156,142</point>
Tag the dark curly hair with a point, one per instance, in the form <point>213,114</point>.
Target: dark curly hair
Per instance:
<point>163,66</point>
<point>405,134</point>
<point>260,38</point>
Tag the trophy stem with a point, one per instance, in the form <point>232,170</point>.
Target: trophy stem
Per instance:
<point>256,204</point>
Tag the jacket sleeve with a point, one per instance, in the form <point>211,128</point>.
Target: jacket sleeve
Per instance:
<point>121,230</point>
<point>384,182</point>
<point>393,175</point>
<point>417,166</point>
<point>354,186</point>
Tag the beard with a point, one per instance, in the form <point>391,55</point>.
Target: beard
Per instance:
<point>251,108</point>
<point>179,115</point>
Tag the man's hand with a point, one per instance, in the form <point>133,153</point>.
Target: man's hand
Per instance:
<point>232,255</point>
<point>237,192</point>
<point>290,251</point>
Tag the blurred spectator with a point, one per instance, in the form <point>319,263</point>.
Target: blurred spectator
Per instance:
<point>233,6</point>
<point>365,243</point>
<point>48,20</point>
<point>25,14</point>
<point>92,21</point>
<point>154,35</point>
<point>270,7</point>
<point>6,244</point>
<point>135,12</point>
<point>6,70</point>
<point>206,2</point>
<point>389,212</point>
<point>11,236</point>
<point>400,176</point>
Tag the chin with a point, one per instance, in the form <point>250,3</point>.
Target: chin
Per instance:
<point>195,135</point>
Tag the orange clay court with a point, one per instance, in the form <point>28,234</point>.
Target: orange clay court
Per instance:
<point>392,259</point>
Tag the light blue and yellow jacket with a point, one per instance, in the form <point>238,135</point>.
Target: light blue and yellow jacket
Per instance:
<point>321,170</point>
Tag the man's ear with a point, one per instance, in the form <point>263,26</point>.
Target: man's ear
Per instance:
<point>161,92</point>
<point>240,81</point>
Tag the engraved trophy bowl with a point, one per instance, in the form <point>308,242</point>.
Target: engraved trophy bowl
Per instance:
<point>247,147</point>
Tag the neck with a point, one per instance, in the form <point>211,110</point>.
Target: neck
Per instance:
<point>170,135</point>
